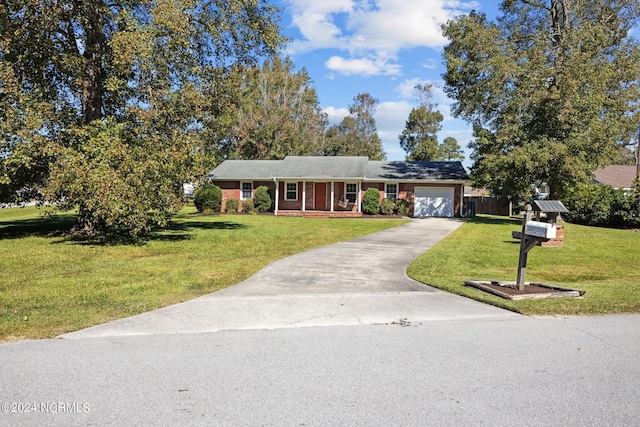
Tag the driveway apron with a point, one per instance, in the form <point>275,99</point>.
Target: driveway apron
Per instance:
<point>360,281</point>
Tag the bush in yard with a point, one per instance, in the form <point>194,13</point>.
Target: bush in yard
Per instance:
<point>208,198</point>
<point>387,207</point>
<point>371,201</point>
<point>402,207</point>
<point>602,205</point>
<point>231,206</point>
<point>262,200</point>
<point>248,206</point>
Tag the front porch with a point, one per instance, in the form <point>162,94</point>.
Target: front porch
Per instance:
<point>317,198</point>
<point>320,214</point>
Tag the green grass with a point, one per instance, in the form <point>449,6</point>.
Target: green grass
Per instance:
<point>50,284</point>
<point>603,262</point>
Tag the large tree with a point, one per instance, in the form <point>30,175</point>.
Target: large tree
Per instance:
<point>279,113</point>
<point>419,138</point>
<point>551,89</point>
<point>357,134</point>
<point>103,104</point>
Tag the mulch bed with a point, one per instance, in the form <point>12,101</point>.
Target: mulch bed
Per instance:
<point>509,290</point>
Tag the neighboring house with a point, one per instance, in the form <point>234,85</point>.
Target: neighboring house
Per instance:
<point>334,186</point>
<point>617,176</point>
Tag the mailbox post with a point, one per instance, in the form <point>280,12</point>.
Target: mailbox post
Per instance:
<point>534,232</point>
<point>526,244</point>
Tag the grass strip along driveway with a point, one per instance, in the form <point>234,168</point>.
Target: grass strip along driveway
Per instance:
<point>50,284</point>
<point>603,262</point>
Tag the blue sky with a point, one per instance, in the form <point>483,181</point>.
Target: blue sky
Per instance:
<point>382,47</point>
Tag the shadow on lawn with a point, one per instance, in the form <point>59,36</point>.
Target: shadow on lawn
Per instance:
<point>493,220</point>
<point>37,227</point>
<point>59,226</point>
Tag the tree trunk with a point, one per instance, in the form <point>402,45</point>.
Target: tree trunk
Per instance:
<point>88,224</point>
<point>94,54</point>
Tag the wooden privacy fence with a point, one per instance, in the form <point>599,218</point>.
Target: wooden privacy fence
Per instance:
<point>474,205</point>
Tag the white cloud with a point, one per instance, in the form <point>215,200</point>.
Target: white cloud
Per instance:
<point>391,116</point>
<point>373,29</point>
<point>335,115</point>
<point>406,89</point>
<point>361,66</point>
<point>430,64</point>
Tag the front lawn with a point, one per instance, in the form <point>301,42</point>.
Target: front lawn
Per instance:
<point>50,284</point>
<point>603,262</point>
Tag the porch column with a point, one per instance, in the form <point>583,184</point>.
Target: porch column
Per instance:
<point>275,212</point>
<point>359,195</point>
<point>304,195</point>
<point>332,192</point>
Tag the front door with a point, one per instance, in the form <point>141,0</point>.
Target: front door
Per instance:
<point>320,196</point>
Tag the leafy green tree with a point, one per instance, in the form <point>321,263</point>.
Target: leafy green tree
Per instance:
<point>449,150</point>
<point>419,139</point>
<point>279,113</point>
<point>104,104</point>
<point>551,89</point>
<point>357,134</point>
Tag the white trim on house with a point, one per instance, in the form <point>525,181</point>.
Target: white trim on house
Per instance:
<point>287,191</point>
<point>242,189</point>
<point>355,192</point>
<point>387,192</point>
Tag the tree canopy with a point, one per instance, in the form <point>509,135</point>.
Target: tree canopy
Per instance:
<point>104,104</point>
<point>278,113</point>
<point>551,89</point>
<point>419,139</point>
<point>449,150</point>
<point>357,134</point>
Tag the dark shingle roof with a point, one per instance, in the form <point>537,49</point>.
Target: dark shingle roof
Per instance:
<point>337,168</point>
<point>418,171</point>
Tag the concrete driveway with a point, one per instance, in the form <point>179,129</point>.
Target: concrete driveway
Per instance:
<point>360,281</point>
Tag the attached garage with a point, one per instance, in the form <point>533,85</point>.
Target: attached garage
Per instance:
<point>434,201</point>
<point>328,186</point>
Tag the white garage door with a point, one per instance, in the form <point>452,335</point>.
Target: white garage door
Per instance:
<point>433,201</point>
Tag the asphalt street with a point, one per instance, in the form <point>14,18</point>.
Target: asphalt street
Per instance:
<point>506,372</point>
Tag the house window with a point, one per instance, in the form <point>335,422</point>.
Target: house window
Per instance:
<point>391,191</point>
<point>247,189</point>
<point>292,191</point>
<point>351,192</point>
